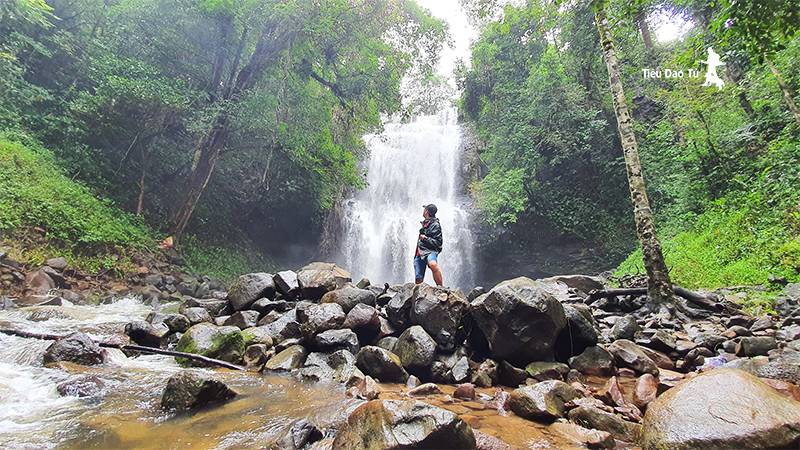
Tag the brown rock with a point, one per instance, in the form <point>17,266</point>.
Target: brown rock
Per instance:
<point>583,436</point>
<point>645,391</point>
<point>465,391</point>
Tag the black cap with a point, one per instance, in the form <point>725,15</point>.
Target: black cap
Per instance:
<point>432,209</point>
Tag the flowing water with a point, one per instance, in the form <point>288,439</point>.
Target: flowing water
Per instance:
<point>127,414</point>
<point>410,164</point>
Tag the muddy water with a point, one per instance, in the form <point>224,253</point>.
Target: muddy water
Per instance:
<point>127,414</point>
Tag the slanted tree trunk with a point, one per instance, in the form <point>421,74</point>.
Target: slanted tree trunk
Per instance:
<point>788,94</point>
<point>659,288</point>
<point>274,38</point>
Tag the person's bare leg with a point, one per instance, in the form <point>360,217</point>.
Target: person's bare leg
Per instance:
<point>437,273</point>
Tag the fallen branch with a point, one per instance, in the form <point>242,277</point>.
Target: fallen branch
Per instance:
<point>129,347</point>
<point>704,301</point>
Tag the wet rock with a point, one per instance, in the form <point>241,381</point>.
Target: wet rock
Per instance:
<point>593,417</point>
<point>740,320</point>
<point>625,327</point>
<point>147,334</point>
<point>46,313</point>
<point>388,343</point>
<point>476,292</point>
<point>460,371</point>
<point>365,388</point>
<point>270,317</point>
<point>187,391</point>
<point>628,354</point>
<point>412,381</point>
<point>242,319</point>
<point>290,358</point>
<point>381,364</point>
<point>80,386</point>
<point>788,333</point>
<point>225,343</point>
<point>365,321</point>
<point>709,340</point>
<point>520,320</point>
<point>662,361</point>
<point>594,361</point>
<point>416,349</point>
<point>425,389</point>
<point>398,309</point>
<point>485,441</point>
<point>542,401</point>
<point>177,323</point>
<point>214,307</point>
<point>220,321</point>
<point>581,331</point>
<point>266,305</point>
<point>250,287</point>
<point>736,331</point>
<point>256,355</point>
<point>297,436</point>
<point>511,376</point>
<point>611,393</point>
<point>442,313</point>
<point>286,283</point>
<point>399,424</point>
<point>39,282</point>
<point>285,327</point>
<point>754,346</point>
<point>583,437</point>
<point>703,413</point>
<point>315,318</point>
<point>348,297</point>
<point>465,391</point>
<point>645,391</point>
<point>318,278</point>
<point>662,341</point>
<point>486,375</point>
<point>257,335</point>
<point>543,370</point>
<point>332,340</point>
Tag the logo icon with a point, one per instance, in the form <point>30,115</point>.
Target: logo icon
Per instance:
<point>712,77</point>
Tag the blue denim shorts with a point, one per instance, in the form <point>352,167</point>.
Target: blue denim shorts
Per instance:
<point>421,263</point>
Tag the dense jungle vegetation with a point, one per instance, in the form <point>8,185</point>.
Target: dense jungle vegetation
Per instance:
<point>238,121</point>
<point>721,164</point>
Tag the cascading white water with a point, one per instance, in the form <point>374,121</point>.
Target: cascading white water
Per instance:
<point>410,164</point>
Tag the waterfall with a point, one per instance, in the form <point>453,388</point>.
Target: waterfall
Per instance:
<point>410,164</point>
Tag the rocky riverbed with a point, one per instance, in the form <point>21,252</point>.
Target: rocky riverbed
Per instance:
<point>333,364</point>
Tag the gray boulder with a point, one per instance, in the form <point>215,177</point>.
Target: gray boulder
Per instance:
<point>443,313</point>
<point>315,318</point>
<point>416,349</point>
<point>77,348</point>
<point>187,391</point>
<point>403,424</point>
<point>520,319</point>
<point>250,287</point>
<point>542,401</point>
<point>381,364</point>
<point>348,297</point>
<point>286,283</point>
<point>722,408</point>
<point>317,278</point>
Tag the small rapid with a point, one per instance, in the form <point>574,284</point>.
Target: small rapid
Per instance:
<point>127,413</point>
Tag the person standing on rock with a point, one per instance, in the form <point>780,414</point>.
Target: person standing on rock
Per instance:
<point>429,245</point>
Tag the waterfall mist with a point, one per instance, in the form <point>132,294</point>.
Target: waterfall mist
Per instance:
<point>410,164</point>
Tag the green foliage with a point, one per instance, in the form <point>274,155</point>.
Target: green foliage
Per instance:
<point>501,196</point>
<point>223,262</point>
<point>33,193</point>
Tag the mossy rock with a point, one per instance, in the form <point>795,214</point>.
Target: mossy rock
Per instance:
<point>225,343</point>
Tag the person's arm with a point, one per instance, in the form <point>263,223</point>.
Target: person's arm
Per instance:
<point>434,235</point>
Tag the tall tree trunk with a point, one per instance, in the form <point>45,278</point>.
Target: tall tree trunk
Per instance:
<point>659,288</point>
<point>788,94</point>
<point>274,38</point>
<point>140,200</point>
<point>644,29</point>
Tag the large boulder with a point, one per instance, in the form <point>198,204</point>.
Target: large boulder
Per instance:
<point>321,317</point>
<point>398,310</point>
<point>317,278</point>
<point>249,288</point>
<point>225,343</point>
<point>416,349</point>
<point>286,283</point>
<point>542,401</point>
<point>291,358</point>
<point>630,355</point>
<point>147,334</point>
<point>285,327</point>
<point>187,391</point>
<point>442,313</point>
<point>520,319</point>
<point>77,348</point>
<point>581,331</point>
<point>722,408</point>
<point>403,424</point>
<point>332,340</point>
<point>348,297</point>
<point>594,360</point>
<point>381,364</point>
<point>365,321</point>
